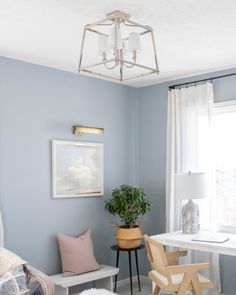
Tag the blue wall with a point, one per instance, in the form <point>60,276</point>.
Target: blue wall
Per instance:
<point>38,104</point>
<point>152,124</point>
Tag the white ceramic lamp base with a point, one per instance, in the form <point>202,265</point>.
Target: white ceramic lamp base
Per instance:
<point>190,218</point>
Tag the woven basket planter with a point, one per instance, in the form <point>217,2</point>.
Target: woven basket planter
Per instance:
<point>128,238</point>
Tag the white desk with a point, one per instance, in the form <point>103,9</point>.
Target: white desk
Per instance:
<point>180,240</point>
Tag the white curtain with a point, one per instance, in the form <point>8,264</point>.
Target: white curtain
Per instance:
<point>189,149</point>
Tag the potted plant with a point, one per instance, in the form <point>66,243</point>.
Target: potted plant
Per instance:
<point>129,203</point>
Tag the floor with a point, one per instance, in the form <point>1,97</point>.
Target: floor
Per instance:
<point>146,287</point>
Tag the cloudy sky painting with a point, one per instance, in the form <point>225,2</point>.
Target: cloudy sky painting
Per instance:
<point>77,169</point>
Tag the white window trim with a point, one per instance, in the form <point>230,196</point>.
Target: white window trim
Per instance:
<point>220,108</point>
<point>224,107</point>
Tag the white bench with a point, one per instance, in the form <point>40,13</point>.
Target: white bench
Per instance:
<point>102,277</point>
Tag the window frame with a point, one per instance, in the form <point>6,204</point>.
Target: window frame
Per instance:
<point>224,107</point>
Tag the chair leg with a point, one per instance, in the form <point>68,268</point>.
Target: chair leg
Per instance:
<point>156,290</point>
<point>185,284</point>
<point>196,285</point>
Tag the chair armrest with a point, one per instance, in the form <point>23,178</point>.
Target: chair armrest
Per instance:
<point>176,254</point>
<point>174,269</point>
<point>44,281</point>
<point>173,256</point>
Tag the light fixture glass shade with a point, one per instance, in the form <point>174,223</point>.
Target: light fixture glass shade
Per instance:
<point>111,39</point>
<point>102,44</point>
<point>190,186</point>
<point>134,41</point>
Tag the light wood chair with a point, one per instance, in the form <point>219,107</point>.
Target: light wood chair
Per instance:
<point>168,276</point>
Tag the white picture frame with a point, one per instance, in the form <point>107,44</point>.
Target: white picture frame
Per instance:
<point>77,169</point>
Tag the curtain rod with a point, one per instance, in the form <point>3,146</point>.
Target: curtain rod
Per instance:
<point>202,80</point>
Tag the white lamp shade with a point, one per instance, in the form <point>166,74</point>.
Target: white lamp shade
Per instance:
<point>134,41</point>
<point>102,44</point>
<point>111,39</point>
<point>190,186</point>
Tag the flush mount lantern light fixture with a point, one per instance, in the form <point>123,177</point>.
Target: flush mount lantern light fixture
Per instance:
<point>125,48</point>
<point>80,130</point>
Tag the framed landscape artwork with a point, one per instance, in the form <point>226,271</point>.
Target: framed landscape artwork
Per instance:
<point>77,169</point>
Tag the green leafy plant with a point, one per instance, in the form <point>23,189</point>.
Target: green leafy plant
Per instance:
<point>128,203</point>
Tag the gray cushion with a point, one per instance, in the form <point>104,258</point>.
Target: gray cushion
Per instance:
<point>13,282</point>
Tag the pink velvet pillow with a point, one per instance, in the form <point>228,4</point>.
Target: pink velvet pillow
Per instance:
<point>77,254</point>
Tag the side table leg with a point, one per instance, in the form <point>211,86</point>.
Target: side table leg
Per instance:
<point>136,259</point>
<point>130,273</point>
<point>117,265</point>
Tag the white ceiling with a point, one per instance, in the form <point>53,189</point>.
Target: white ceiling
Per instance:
<point>192,37</point>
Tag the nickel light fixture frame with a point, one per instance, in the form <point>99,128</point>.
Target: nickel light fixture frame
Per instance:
<point>116,18</point>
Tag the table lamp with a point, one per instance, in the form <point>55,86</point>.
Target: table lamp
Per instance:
<point>188,187</point>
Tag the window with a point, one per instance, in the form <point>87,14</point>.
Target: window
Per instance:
<point>224,127</point>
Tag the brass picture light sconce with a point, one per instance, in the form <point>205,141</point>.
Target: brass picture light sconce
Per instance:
<point>80,130</point>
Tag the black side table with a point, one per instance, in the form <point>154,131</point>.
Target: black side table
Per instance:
<point>117,249</point>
